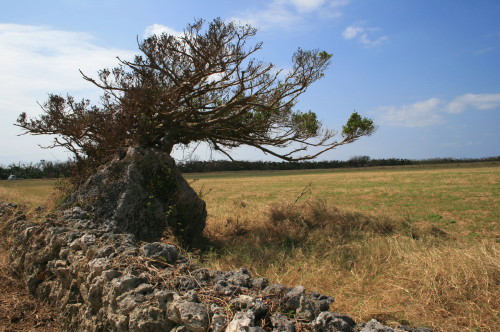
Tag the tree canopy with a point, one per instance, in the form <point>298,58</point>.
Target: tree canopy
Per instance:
<point>201,86</point>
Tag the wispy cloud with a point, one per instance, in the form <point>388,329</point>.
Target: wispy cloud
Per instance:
<point>291,13</point>
<point>367,36</point>
<point>431,111</point>
<point>37,60</point>
<point>420,114</point>
<point>474,101</point>
<point>158,29</point>
<point>41,58</point>
<point>307,5</point>
<point>484,50</point>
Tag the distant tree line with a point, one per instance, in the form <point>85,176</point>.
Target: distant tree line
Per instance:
<point>39,170</point>
<point>49,169</point>
<point>197,166</point>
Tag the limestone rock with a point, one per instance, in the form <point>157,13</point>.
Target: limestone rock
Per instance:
<point>242,321</point>
<point>161,251</point>
<point>327,321</point>
<point>245,302</point>
<point>282,324</point>
<point>194,316</point>
<point>142,193</point>
<point>375,326</point>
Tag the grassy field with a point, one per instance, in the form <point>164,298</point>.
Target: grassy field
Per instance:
<point>404,245</point>
<point>464,199</point>
<point>32,193</point>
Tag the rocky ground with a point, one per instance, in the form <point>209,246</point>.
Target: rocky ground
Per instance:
<point>19,311</point>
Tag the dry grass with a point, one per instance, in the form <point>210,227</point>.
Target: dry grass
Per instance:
<point>19,311</point>
<point>376,267</point>
<point>406,246</point>
<point>32,194</point>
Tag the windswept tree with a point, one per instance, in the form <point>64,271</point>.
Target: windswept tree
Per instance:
<point>202,86</point>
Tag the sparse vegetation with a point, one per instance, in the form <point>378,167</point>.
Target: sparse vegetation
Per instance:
<point>406,246</point>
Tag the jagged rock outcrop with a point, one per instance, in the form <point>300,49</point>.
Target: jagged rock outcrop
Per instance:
<point>105,281</point>
<point>141,192</point>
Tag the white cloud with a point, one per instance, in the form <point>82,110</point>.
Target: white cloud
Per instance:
<point>351,32</point>
<point>484,50</point>
<point>290,13</point>
<point>420,114</point>
<point>475,101</point>
<point>158,29</point>
<point>364,35</point>
<point>307,5</point>
<point>431,111</point>
<point>39,58</point>
<point>35,61</point>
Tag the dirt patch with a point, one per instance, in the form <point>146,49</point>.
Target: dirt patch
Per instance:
<point>19,311</point>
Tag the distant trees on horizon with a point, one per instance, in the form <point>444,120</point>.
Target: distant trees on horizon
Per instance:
<point>39,170</point>
<point>57,169</point>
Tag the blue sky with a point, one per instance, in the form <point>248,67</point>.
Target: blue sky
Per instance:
<point>427,72</point>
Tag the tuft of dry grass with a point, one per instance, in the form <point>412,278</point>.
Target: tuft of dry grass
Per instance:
<point>459,286</point>
<point>402,281</point>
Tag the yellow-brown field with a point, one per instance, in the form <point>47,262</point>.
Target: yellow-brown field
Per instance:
<point>416,246</point>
